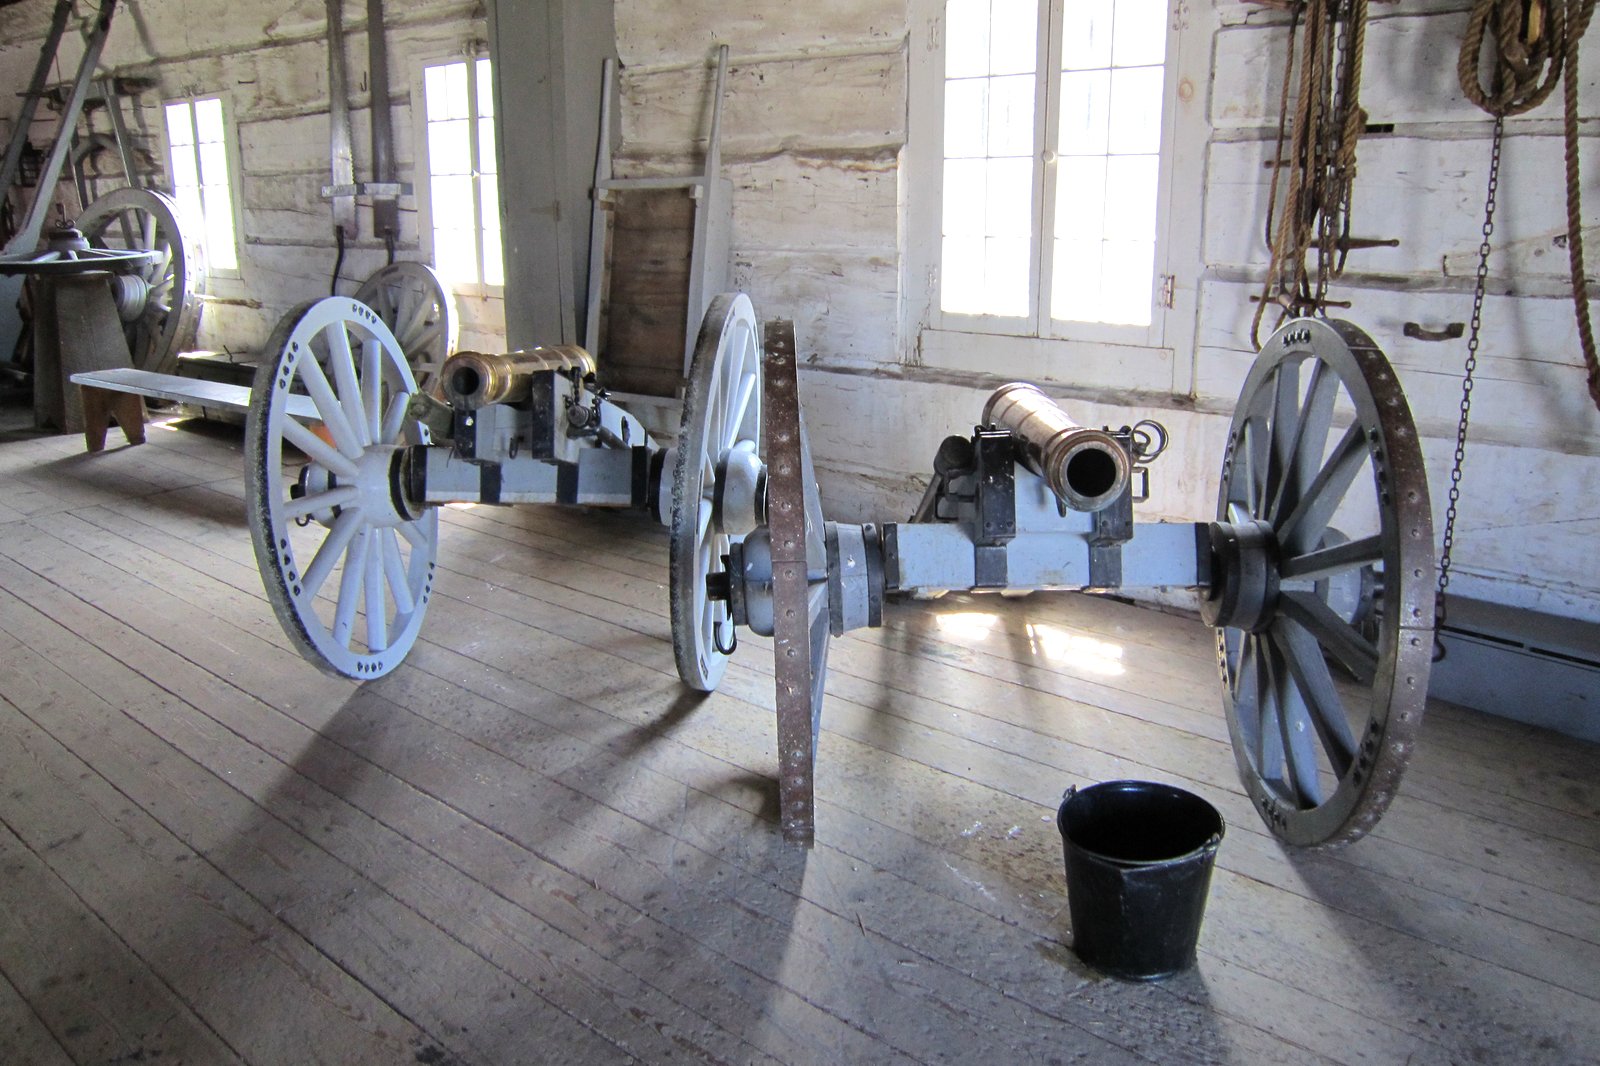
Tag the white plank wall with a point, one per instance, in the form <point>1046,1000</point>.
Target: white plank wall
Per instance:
<point>529,845</point>
<point>818,115</point>
<point>270,66</point>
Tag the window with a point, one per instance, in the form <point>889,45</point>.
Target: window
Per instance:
<point>463,187</point>
<point>1052,168</point>
<point>200,177</point>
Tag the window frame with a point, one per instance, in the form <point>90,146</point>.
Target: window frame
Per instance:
<point>422,179</point>
<point>230,148</point>
<point>1036,343</point>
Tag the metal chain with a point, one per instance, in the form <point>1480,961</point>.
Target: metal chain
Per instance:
<point>1479,289</point>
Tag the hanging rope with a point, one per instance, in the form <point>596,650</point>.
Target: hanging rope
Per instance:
<point>1535,43</point>
<point>1316,150</point>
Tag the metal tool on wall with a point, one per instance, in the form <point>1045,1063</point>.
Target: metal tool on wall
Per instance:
<point>384,190</point>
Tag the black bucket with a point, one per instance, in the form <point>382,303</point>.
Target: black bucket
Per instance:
<point>1139,857</point>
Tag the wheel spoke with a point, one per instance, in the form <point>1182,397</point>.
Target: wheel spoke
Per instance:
<point>1311,676</point>
<point>377,609</point>
<point>1333,559</point>
<point>394,418</point>
<point>704,521</point>
<point>394,569</point>
<point>319,450</point>
<point>350,589</point>
<point>332,414</point>
<point>1310,437</point>
<point>1269,735</point>
<point>1336,636</point>
<point>740,408</point>
<point>1296,733</point>
<point>372,387</point>
<point>1281,431</point>
<point>345,527</point>
<point>319,501</point>
<point>1305,525</point>
<point>1246,691</point>
<point>414,312</point>
<point>414,533</point>
<point>343,361</point>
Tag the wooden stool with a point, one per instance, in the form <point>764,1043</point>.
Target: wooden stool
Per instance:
<point>100,406</point>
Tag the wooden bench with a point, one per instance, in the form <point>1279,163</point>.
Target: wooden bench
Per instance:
<point>119,394</point>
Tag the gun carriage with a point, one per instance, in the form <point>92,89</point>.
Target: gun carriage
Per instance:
<point>1316,571</point>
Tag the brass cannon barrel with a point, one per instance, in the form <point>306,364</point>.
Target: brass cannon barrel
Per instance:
<point>471,380</point>
<point>1086,468</point>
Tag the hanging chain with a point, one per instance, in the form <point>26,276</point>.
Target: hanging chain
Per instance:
<point>1479,289</point>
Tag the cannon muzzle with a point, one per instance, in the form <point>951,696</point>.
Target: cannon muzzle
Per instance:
<point>471,380</point>
<point>1087,469</point>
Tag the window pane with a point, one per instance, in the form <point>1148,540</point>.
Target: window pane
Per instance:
<point>961,275</point>
<point>213,164</point>
<point>966,38</point>
<point>1130,208</point>
<point>489,194</point>
<point>448,150</point>
<point>1005,275</point>
<point>1075,291</point>
<point>194,219</point>
<point>1013,36</point>
<point>1136,111</point>
<point>1086,35</point>
<point>1009,199</point>
<point>1127,273</point>
<point>1141,33</point>
<point>486,157</point>
<point>485,88</point>
<point>208,120</point>
<point>964,183</point>
<point>966,117</point>
<point>221,252</point>
<point>435,97</point>
<point>1011,115</point>
<point>178,125</point>
<point>1080,198</point>
<point>452,202</point>
<point>184,174</point>
<point>455,254</point>
<point>1085,112</point>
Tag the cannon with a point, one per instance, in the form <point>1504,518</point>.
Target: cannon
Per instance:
<point>1316,571</point>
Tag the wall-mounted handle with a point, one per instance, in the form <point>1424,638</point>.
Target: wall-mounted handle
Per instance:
<point>1450,333</point>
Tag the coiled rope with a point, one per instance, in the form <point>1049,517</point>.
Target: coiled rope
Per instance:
<point>1535,48</point>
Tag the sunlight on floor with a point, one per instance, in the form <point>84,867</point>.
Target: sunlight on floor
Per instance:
<point>973,625</point>
<point>1076,651</point>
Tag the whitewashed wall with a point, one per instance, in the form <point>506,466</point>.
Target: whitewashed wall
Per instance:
<point>816,136</point>
<point>269,62</point>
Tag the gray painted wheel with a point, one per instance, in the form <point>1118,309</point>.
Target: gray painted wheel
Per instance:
<point>416,305</point>
<point>721,414</point>
<point>146,220</point>
<point>1324,700</point>
<point>348,569</point>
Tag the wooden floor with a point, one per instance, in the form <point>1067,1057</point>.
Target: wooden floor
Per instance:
<point>528,845</point>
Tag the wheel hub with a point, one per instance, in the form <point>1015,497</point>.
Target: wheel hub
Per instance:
<point>1244,576</point>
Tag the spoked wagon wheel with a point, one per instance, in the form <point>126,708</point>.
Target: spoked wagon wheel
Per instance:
<point>347,564</point>
<point>718,438</point>
<point>166,310</point>
<point>416,305</point>
<point>1323,583</point>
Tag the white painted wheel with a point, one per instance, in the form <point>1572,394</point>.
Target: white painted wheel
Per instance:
<point>145,220</point>
<point>416,305</point>
<point>721,423</point>
<point>348,569</point>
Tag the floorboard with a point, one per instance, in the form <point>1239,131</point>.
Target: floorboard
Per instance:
<point>529,844</point>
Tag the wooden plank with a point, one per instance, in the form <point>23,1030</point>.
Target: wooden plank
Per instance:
<point>657,32</point>
<point>196,391</point>
<point>89,996</point>
<point>479,628</point>
<point>219,951</point>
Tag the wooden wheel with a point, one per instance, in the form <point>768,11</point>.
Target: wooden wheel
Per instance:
<point>145,220</point>
<point>416,305</point>
<point>721,424</point>
<point>1322,583</point>
<point>347,565</point>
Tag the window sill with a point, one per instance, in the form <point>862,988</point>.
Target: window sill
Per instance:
<point>1123,367</point>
